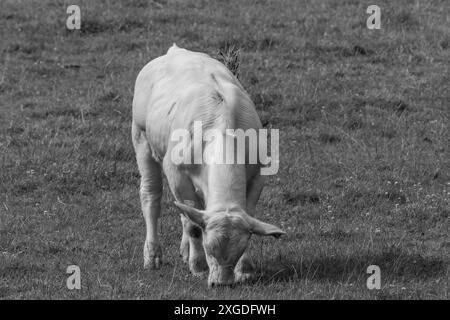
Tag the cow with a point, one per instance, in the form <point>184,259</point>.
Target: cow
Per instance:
<point>217,200</point>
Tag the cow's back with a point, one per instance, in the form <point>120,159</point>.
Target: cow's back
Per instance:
<point>181,87</point>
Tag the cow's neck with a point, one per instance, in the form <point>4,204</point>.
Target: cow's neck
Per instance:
<point>226,184</point>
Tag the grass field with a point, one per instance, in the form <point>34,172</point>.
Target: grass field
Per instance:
<point>364,146</point>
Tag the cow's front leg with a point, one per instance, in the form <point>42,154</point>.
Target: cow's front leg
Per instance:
<point>191,247</point>
<point>196,253</point>
<point>244,270</point>
<point>150,194</point>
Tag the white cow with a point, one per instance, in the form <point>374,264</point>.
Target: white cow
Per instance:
<point>217,200</point>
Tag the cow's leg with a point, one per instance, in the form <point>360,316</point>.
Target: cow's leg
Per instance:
<point>191,247</point>
<point>150,194</point>
<point>244,270</point>
<point>184,245</point>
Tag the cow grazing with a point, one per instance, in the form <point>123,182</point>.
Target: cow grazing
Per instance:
<point>217,200</point>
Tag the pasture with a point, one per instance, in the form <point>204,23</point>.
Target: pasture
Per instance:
<point>363,116</point>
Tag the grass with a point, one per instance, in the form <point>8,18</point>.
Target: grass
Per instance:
<point>364,146</point>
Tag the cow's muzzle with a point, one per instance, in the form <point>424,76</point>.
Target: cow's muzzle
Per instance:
<point>223,276</point>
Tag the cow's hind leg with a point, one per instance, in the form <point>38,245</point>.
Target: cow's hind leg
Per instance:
<point>150,194</point>
<point>184,245</point>
<point>191,248</point>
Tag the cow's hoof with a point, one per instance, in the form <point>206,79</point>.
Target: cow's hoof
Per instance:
<point>242,277</point>
<point>152,256</point>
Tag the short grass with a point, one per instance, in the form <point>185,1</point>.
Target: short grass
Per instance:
<point>364,133</point>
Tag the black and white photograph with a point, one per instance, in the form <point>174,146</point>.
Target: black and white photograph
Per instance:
<point>236,152</point>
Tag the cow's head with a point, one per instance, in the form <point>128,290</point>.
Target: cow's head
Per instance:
<point>225,238</point>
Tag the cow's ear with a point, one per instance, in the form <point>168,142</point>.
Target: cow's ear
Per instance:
<point>264,229</point>
<point>195,215</point>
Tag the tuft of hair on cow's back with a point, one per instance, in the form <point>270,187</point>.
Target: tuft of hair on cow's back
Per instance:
<point>229,56</point>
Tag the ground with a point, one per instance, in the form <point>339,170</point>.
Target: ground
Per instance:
<point>363,116</point>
